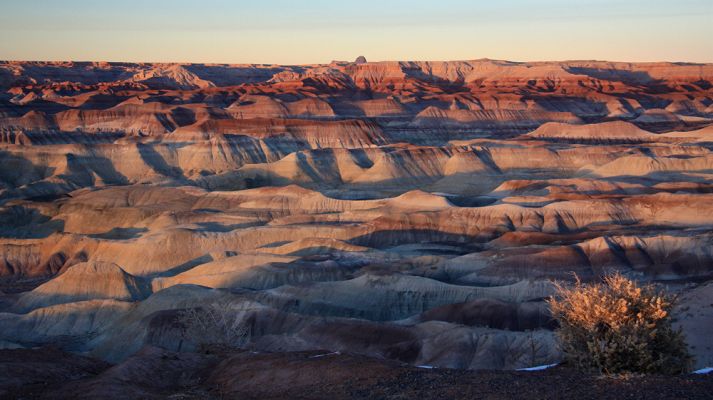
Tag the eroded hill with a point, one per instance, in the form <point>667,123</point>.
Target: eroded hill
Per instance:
<point>414,211</point>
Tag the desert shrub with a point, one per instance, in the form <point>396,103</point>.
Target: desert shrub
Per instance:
<point>618,326</point>
<point>219,323</point>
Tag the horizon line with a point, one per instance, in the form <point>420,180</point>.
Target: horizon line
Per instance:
<point>97,61</point>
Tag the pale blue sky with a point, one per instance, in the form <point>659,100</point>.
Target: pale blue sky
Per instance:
<point>318,31</point>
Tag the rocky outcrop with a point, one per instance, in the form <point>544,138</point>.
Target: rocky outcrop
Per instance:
<point>86,281</point>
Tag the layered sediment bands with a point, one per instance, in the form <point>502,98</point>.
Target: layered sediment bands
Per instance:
<point>381,298</point>
<point>606,132</point>
<point>414,211</point>
<point>86,281</point>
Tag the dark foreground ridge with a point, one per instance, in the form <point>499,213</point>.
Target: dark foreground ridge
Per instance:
<point>153,373</point>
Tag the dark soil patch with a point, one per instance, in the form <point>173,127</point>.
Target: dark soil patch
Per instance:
<point>225,374</point>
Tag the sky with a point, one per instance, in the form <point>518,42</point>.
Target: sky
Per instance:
<point>319,31</point>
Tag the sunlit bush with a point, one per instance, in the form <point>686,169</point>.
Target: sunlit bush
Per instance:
<point>617,327</point>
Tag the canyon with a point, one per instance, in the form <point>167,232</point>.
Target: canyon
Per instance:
<point>415,212</point>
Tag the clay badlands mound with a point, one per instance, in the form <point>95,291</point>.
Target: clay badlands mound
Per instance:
<point>413,212</point>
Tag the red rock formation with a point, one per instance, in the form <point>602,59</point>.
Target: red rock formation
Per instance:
<point>414,211</point>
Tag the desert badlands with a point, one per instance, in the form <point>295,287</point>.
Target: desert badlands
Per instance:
<point>364,214</point>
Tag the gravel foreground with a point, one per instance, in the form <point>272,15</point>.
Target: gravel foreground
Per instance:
<point>153,373</point>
